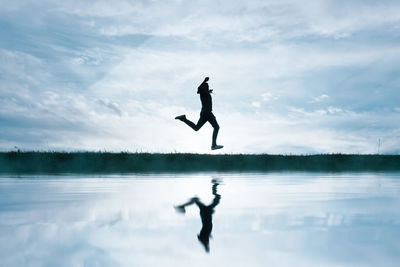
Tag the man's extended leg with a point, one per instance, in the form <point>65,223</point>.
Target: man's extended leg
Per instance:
<point>181,208</point>
<point>193,200</point>
<point>195,127</point>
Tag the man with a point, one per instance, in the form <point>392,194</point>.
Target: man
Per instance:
<point>205,114</point>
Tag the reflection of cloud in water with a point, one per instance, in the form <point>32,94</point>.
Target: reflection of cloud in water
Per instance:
<point>280,220</point>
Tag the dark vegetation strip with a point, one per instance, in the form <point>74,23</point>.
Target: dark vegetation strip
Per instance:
<point>99,162</point>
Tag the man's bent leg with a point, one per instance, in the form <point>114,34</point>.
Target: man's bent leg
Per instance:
<point>197,126</point>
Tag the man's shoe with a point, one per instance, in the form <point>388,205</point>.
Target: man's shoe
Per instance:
<point>216,147</point>
<point>181,117</point>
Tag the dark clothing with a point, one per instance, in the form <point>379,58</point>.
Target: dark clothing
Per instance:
<point>206,213</point>
<point>205,97</point>
<point>206,114</point>
<point>203,88</point>
<point>206,220</point>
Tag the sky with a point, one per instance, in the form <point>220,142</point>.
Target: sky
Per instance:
<point>291,77</point>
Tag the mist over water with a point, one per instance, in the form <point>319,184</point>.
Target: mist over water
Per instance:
<point>275,219</point>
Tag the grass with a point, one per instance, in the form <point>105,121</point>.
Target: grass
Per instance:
<point>106,162</point>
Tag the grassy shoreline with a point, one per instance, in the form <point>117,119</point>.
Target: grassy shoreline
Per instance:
<point>107,162</point>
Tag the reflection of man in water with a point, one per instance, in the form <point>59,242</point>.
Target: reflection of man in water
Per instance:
<point>205,214</point>
<point>205,114</point>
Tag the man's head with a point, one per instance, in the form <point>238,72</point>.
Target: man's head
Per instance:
<point>206,79</point>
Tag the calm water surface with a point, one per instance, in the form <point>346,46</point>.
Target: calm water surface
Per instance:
<point>292,219</point>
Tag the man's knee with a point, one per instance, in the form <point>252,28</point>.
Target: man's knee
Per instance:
<point>216,127</point>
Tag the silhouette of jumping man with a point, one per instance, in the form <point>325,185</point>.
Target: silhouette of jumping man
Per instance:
<point>205,114</point>
<point>205,214</point>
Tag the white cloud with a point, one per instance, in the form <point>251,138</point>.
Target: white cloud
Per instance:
<point>230,21</point>
<point>319,98</point>
<point>235,20</point>
<point>110,105</point>
<point>268,96</point>
<point>333,110</point>
<point>270,64</point>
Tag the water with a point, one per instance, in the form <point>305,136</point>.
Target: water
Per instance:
<point>295,219</point>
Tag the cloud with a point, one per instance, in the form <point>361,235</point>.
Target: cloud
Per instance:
<point>333,110</point>
<point>232,22</point>
<point>319,98</point>
<point>101,75</point>
<point>110,105</point>
<point>235,21</point>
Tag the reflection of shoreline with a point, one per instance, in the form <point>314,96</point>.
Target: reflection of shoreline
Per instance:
<point>206,212</point>
<point>99,162</point>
